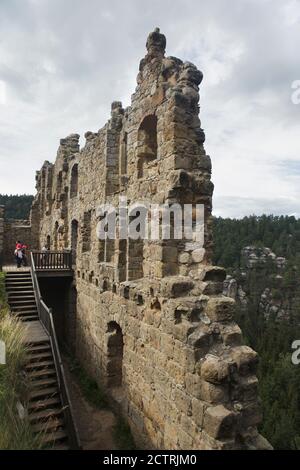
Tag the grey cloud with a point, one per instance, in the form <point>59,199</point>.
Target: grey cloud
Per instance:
<point>64,62</point>
<point>238,207</point>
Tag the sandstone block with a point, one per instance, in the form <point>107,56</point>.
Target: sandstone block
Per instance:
<point>219,422</point>
<point>245,358</point>
<point>214,370</point>
<point>220,309</point>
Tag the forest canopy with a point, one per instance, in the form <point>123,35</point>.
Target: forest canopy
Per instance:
<point>16,206</point>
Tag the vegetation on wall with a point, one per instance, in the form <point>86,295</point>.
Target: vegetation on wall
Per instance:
<point>17,206</point>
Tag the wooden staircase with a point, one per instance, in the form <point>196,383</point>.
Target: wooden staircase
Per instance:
<point>45,409</point>
<point>21,299</point>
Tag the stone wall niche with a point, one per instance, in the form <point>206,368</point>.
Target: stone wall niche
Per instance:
<point>115,347</point>
<point>147,144</point>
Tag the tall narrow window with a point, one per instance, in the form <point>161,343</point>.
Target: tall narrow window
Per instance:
<point>56,236</point>
<point>123,156</point>
<point>147,143</point>
<point>74,181</point>
<point>122,265</point>
<point>48,242</point>
<point>59,183</point>
<point>115,345</point>
<point>74,240</point>
<point>86,231</point>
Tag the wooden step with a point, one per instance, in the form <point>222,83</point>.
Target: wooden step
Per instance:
<point>38,356</point>
<point>19,302</point>
<point>45,414</point>
<point>29,318</point>
<point>23,308</point>
<point>18,274</point>
<point>19,307</point>
<point>43,393</point>
<point>54,437</point>
<point>35,375</point>
<point>17,278</point>
<point>51,425</point>
<point>19,286</point>
<point>13,298</point>
<point>43,382</point>
<point>38,348</point>
<point>16,282</point>
<point>20,290</point>
<point>26,312</point>
<point>39,365</point>
<point>42,404</point>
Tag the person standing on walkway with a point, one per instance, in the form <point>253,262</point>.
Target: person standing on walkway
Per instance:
<point>24,259</point>
<point>19,256</point>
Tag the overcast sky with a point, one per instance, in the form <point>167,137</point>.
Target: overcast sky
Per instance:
<point>62,63</point>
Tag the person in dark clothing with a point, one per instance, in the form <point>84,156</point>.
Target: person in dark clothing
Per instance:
<point>24,259</point>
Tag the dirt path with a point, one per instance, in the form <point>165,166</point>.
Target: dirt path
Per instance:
<point>95,426</point>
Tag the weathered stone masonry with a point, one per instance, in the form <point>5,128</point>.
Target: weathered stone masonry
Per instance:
<point>149,318</point>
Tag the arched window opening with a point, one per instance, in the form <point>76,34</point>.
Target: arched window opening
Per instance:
<point>123,155</point>
<point>115,346</point>
<point>74,240</point>
<point>59,183</point>
<point>74,181</point>
<point>86,231</point>
<point>48,242</point>
<point>122,265</point>
<point>56,227</point>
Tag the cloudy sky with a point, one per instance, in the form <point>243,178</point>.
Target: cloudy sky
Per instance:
<point>62,63</point>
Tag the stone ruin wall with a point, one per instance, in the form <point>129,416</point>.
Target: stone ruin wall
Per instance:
<point>16,230</point>
<point>150,319</point>
<point>10,232</point>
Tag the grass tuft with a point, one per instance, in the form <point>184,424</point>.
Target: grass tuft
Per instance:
<point>123,436</point>
<point>15,433</point>
<point>90,389</point>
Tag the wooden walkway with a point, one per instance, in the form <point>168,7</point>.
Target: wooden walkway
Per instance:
<point>34,332</point>
<point>13,268</point>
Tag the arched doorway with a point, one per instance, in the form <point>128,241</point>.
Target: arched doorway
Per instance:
<point>115,347</point>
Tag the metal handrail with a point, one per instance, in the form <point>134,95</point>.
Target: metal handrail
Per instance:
<point>46,318</point>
